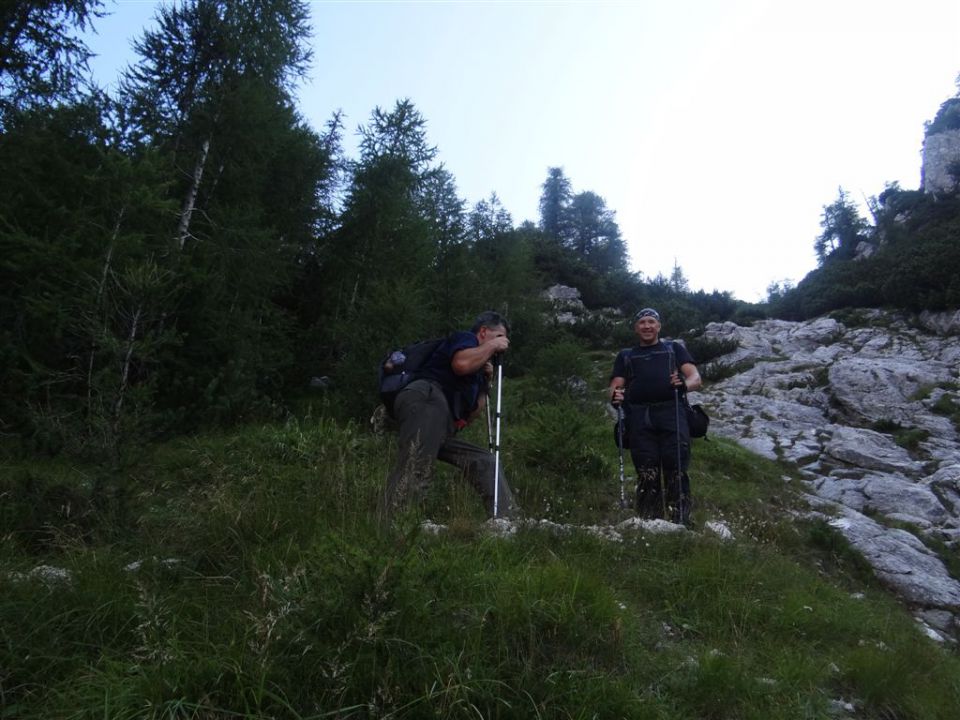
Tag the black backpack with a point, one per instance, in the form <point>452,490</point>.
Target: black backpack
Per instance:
<point>697,419</point>
<point>400,367</point>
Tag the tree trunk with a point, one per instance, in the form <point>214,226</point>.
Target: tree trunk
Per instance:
<point>125,371</point>
<point>97,305</point>
<point>186,212</point>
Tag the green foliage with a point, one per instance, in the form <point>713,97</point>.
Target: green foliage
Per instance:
<point>42,61</point>
<point>843,229</point>
<point>947,117</point>
<point>910,438</point>
<point>915,269</point>
<point>948,406</point>
<point>716,371</point>
<point>706,349</point>
<point>244,574</point>
<point>184,255</point>
<point>906,437</point>
<point>558,362</point>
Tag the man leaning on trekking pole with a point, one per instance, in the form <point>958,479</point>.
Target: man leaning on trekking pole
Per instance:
<point>450,392</point>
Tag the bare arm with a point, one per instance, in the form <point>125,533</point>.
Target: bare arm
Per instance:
<point>617,385</point>
<point>470,360</point>
<point>691,376</point>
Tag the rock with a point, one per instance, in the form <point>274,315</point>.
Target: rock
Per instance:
<point>889,495</point>
<point>858,408</point>
<point>901,561</point>
<point>942,323</point>
<point>871,450</point>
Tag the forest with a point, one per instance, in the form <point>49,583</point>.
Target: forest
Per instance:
<point>196,289</point>
<point>188,252</point>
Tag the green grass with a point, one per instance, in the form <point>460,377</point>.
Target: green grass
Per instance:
<point>265,587</point>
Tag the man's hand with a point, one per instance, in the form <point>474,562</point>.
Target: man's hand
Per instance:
<point>677,381</point>
<point>616,396</point>
<point>498,345</point>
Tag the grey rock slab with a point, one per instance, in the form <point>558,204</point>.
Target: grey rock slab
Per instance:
<point>901,561</point>
<point>870,450</point>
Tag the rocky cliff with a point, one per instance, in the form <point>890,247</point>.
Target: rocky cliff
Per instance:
<point>941,154</point>
<point>868,409</point>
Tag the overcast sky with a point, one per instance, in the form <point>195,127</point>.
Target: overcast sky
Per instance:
<point>715,129</point>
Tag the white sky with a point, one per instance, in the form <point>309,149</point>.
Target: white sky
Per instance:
<point>716,129</point>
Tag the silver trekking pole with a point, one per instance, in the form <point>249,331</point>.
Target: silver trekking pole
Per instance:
<point>496,456</point>
<point>623,499</point>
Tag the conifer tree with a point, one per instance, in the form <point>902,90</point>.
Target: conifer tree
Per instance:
<point>42,59</point>
<point>378,269</point>
<point>212,94</point>
<point>554,200</point>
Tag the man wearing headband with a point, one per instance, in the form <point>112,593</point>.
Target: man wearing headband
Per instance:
<point>646,380</point>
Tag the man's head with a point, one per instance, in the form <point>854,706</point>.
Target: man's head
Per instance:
<point>646,324</point>
<point>490,324</point>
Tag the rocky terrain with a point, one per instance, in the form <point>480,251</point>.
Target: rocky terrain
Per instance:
<point>867,407</point>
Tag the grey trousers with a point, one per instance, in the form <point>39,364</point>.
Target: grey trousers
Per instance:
<point>426,435</point>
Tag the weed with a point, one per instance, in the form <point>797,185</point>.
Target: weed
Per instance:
<point>254,581</point>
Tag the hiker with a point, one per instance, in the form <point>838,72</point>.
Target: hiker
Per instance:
<point>450,391</point>
<point>647,381</point>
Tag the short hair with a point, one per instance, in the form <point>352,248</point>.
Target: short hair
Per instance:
<point>490,319</point>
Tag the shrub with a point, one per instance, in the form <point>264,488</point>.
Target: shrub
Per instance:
<point>556,363</point>
<point>705,349</point>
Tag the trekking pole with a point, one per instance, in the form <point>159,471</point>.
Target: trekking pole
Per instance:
<point>623,499</point>
<point>489,425</point>
<point>676,405</point>
<point>496,456</point>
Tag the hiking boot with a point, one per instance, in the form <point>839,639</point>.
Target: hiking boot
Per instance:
<point>680,513</point>
<point>649,502</point>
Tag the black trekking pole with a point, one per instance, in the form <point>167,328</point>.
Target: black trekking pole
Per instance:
<point>496,456</point>
<point>676,404</point>
<point>623,499</point>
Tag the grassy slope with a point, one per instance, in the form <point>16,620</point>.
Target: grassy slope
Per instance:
<point>267,589</point>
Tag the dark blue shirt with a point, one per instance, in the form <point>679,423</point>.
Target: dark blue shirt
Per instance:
<point>462,391</point>
<point>647,369</point>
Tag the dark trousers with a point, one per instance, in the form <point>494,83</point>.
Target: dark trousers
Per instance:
<point>659,438</point>
<point>426,435</point>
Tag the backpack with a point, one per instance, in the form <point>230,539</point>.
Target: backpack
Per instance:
<point>697,419</point>
<point>400,367</point>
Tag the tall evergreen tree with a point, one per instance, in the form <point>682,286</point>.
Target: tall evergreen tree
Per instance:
<point>76,225</point>
<point>843,229</point>
<point>447,223</point>
<point>554,199</point>
<point>378,271</point>
<point>180,94</point>
<point>41,57</point>
<point>592,232</point>
<point>212,95</point>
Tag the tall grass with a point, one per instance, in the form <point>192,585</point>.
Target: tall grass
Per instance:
<point>245,575</point>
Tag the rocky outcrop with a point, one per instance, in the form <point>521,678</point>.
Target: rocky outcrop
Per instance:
<point>566,307</point>
<point>868,410</point>
<point>941,153</point>
<point>565,303</point>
